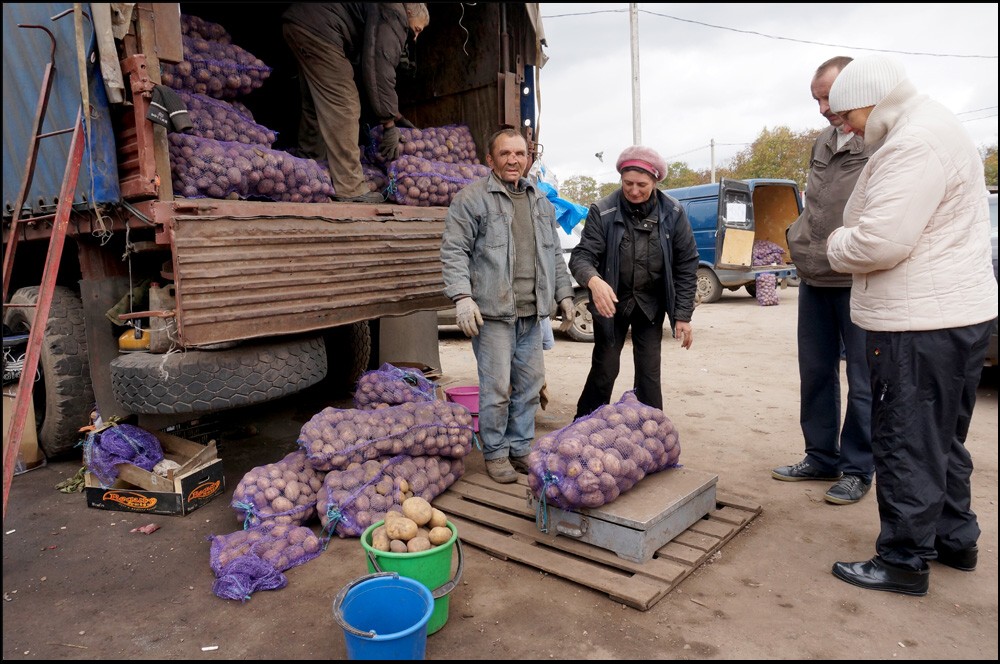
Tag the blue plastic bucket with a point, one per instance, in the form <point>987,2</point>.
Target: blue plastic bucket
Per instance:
<point>384,616</point>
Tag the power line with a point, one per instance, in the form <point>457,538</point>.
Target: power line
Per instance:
<point>778,37</point>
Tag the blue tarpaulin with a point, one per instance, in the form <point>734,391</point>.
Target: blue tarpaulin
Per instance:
<point>568,214</point>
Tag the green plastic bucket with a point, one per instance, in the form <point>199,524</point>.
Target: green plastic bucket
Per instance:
<point>431,568</point>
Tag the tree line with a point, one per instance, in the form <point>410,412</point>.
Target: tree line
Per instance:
<point>776,153</point>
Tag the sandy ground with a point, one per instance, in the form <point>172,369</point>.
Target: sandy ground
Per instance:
<point>78,585</point>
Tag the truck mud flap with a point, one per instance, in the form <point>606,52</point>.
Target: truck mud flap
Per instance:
<point>201,381</point>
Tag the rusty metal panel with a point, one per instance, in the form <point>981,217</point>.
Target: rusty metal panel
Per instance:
<point>253,269</point>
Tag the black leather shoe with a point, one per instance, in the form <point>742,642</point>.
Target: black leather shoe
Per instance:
<point>876,574</point>
<point>963,559</point>
<point>803,470</point>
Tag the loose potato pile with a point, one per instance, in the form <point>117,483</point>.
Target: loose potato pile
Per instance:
<point>418,527</point>
<point>598,457</point>
<point>391,386</point>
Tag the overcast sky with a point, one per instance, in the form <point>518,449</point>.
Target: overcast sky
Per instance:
<point>749,72</point>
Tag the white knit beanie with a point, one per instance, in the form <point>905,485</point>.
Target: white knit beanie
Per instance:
<point>865,82</point>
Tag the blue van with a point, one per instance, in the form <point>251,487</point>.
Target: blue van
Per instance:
<point>727,218</point>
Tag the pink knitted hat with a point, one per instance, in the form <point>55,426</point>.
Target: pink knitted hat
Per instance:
<point>643,158</point>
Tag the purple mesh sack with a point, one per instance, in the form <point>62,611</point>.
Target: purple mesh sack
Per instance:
<point>207,168</point>
<point>105,448</point>
<point>249,560</point>
<point>196,27</point>
<point>598,457</point>
<point>766,252</point>
<point>450,144</point>
<point>223,71</point>
<point>335,438</point>
<point>417,181</point>
<point>222,121</point>
<point>282,492</point>
<point>355,498</point>
<point>390,386</point>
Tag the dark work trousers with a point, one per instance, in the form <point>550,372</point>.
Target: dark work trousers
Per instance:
<point>924,390</point>
<point>609,339</point>
<point>825,322</point>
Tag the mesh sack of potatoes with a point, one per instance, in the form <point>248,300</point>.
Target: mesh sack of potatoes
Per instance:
<point>282,492</point>
<point>249,560</point>
<point>198,28</point>
<point>208,168</point>
<point>360,495</point>
<point>599,456</point>
<point>390,385</point>
<point>420,182</point>
<point>334,438</point>
<point>223,121</point>
<point>216,69</point>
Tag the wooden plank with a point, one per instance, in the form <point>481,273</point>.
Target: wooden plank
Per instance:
<point>496,518</point>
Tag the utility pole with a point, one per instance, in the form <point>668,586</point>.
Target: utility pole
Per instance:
<point>633,12</point>
<point>712,144</point>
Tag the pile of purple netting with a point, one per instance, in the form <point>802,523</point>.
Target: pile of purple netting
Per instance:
<point>106,447</point>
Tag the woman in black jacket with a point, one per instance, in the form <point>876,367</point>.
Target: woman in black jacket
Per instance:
<point>638,257</point>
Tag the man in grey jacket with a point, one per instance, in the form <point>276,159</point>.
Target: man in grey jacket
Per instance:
<point>833,452</point>
<point>503,268</point>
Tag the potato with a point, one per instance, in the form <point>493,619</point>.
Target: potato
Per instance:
<point>439,535</point>
<point>418,510</point>
<point>397,546</point>
<point>402,529</point>
<point>438,519</point>
<point>418,544</point>
<point>380,540</point>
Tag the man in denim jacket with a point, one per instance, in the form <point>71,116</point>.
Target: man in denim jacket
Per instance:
<point>500,297</point>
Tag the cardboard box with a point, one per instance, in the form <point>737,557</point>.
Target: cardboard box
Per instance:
<point>196,482</point>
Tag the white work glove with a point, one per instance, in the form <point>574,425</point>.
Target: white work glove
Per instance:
<point>468,317</point>
<point>566,305</point>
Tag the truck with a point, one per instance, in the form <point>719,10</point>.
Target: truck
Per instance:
<point>727,218</point>
<point>261,299</point>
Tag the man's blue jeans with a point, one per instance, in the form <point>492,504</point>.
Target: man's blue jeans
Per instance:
<point>824,324</point>
<point>511,373</point>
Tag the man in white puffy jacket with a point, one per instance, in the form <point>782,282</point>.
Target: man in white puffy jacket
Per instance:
<point>916,238</point>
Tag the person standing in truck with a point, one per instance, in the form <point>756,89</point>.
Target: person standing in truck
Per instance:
<point>836,451</point>
<point>330,40</point>
<point>502,266</point>
<point>916,238</point>
<point>637,255</point>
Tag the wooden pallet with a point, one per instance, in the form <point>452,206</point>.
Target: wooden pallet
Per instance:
<point>496,518</point>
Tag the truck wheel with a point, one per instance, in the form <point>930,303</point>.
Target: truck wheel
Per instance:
<point>751,288</point>
<point>583,321</point>
<point>63,396</point>
<point>709,288</point>
<point>348,351</point>
<point>198,381</point>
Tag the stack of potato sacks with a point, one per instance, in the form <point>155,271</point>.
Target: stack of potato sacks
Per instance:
<point>353,466</point>
<point>434,164</point>
<point>227,155</point>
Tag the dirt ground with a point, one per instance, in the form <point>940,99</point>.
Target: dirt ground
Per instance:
<point>78,585</point>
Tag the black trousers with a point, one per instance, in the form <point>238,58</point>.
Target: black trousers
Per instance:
<point>609,339</point>
<point>923,393</point>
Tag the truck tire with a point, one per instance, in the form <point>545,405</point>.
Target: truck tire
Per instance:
<point>199,381</point>
<point>64,395</point>
<point>751,288</point>
<point>709,288</point>
<point>583,320</point>
<point>348,351</point>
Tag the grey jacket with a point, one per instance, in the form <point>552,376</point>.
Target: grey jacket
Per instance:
<point>477,251</point>
<point>372,36</point>
<point>831,179</point>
